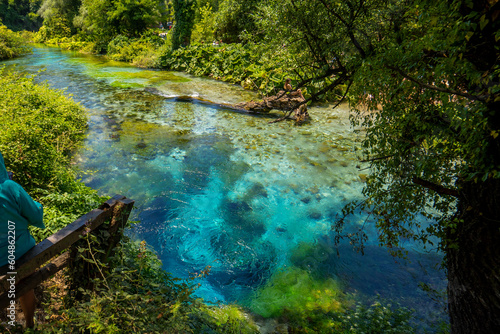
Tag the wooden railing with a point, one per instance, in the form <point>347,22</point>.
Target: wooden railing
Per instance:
<point>54,253</point>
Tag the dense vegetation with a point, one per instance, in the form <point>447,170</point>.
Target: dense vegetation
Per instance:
<point>11,44</point>
<point>20,14</point>
<point>41,128</point>
<point>422,76</point>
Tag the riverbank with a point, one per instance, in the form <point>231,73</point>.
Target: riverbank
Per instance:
<point>246,65</point>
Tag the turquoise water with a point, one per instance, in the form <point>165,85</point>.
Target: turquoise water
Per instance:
<point>215,187</point>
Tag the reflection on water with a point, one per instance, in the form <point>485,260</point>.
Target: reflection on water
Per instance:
<point>218,188</point>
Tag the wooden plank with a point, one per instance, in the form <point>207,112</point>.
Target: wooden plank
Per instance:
<point>120,218</point>
<point>120,215</point>
<point>109,203</point>
<point>53,245</point>
<point>36,278</point>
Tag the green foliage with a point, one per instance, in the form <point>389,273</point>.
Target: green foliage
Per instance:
<point>142,52</point>
<point>235,17</point>
<point>133,292</point>
<point>435,128</point>
<point>298,38</point>
<point>41,127</point>
<point>116,46</point>
<point>11,44</point>
<point>235,63</point>
<point>430,102</point>
<point>214,4</point>
<point>203,31</point>
<point>62,208</point>
<point>103,20</point>
<point>20,14</point>
<point>184,12</point>
<point>132,18</point>
<point>56,27</point>
<point>58,16</point>
<point>57,12</point>
<point>79,43</point>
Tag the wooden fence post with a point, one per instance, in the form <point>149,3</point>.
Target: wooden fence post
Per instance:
<point>28,273</point>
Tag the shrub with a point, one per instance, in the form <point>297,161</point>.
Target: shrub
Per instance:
<point>142,52</point>
<point>234,63</point>
<point>55,27</point>
<point>11,43</point>
<point>204,30</point>
<point>40,129</point>
<point>134,294</point>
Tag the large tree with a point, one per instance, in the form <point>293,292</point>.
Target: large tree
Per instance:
<point>58,11</point>
<point>184,14</point>
<point>423,80</point>
<point>105,19</point>
<point>20,14</point>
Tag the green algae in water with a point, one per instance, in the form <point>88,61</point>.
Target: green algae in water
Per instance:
<point>294,290</point>
<point>134,73</point>
<point>135,79</point>
<point>228,316</point>
<point>124,75</point>
<point>146,138</point>
<point>121,84</point>
<point>316,254</point>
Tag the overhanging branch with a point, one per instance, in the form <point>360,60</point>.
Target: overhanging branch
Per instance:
<point>377,158</point>
<point>435,187</point>
<point>438,89</point>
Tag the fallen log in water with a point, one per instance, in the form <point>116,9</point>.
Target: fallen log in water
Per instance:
<point>293,106</point>
<point>284,101</point>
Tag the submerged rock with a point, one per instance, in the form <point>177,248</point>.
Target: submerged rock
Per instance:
<point>141,144</point>
<point>280,229</point>
<point>316,215</point>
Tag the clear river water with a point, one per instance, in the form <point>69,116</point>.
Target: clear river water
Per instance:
<point>215,187</point>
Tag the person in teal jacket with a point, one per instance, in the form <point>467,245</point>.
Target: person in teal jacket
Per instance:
<point>17,211</point>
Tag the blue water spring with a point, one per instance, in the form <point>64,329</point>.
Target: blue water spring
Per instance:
<point>214,187</point>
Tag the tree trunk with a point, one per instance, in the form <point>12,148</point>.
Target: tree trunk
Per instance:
<point>474,266</point>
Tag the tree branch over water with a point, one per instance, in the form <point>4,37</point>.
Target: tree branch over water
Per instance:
<point>435,187</point>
